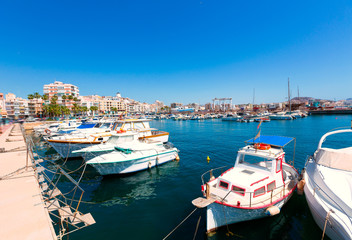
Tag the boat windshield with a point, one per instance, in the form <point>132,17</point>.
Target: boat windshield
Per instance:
<point>105,126</point>
<point>120,139</point>
<point>255,161</point>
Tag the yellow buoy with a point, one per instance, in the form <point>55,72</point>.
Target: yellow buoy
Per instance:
<point>208,159</point>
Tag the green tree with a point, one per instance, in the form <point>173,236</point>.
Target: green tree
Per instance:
<point>45,97</point>
<point>93,109</point>
<point>37,95</point>
<point>54,99</point>
<point>30,96</point>
<point>64,110</point>
<point>114,109</point>
<point>64,97</point>
<point>76,108</point>
<point>70,97</point>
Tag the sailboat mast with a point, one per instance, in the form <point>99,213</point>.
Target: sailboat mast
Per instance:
<point>253,96</point>
<point>289,97</point>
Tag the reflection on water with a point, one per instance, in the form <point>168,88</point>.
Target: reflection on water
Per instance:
<point>126,189</point>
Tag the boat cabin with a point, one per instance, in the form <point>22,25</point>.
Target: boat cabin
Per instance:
<point>257,178</point>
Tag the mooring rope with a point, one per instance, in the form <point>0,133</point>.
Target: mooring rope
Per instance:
<point>326,220</point>
<point>180,224</point>
<point>195,233</point>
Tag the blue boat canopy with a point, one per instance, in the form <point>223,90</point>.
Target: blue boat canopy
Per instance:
<point>277,141</point>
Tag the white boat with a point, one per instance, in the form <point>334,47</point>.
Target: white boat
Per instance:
<point>328,188</point>
<point>231,117</point>
<point>280,116</point>
<point>129,156</point>
<point>258,185</point>
<point>82,138</point>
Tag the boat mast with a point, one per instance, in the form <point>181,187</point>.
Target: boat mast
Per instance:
<point>289,98</point>
<point>253,98</point>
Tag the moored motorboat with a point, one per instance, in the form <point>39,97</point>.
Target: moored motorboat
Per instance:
<point>66,144</point>
<point>129,156</point>
<point>328,188</point>
<point>258,185</point>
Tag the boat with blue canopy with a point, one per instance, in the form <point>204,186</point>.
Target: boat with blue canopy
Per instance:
<point>257,185</point>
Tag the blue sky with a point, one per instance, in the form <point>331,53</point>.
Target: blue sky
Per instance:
<point>179,51</point>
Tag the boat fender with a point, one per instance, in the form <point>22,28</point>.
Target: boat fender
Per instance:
<point>157,161</point>
<point>300,186</point>
<point>149,165</point>
<point>177,158</point>
<point>272,211</point>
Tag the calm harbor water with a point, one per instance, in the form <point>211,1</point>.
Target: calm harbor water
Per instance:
<point>149,204</point>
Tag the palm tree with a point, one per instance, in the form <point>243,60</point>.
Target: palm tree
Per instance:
<point>37,95</point>
<point>93,109</point>
<point>70,97</point>
<point>75,99</point>
<point>30,96</point>
<point>45,97</point>
<point>63,97</point>
<point>54,99</point>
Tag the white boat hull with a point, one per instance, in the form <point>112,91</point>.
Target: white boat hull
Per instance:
<point>338,225</point>
<point>65,149</point>
<point>220,215</point>
<point>132,165</point>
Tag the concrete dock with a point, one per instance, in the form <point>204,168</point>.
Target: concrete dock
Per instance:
<point>22,211</point>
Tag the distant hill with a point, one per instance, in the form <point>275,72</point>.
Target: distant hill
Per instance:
<point>302,99</point>
<point>348,99</point>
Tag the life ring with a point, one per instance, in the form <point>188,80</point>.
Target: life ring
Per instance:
<point>262,146</point>
<point>47,131</point>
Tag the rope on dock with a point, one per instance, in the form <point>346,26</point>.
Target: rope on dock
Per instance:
<point>180,224</point>
<point>11,173</point>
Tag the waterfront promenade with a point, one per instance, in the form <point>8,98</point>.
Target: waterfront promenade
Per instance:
<point>22,211</point>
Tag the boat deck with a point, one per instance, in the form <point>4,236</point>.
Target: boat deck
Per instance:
<point>22,212</point>
<point>232,198</point>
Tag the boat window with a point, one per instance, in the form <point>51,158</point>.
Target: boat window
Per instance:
<point>120,139</point>
<point>138,125</point>
<point>256,161</point>
<point>238,190</point>
<point>116,125</point>
<point>259,192</point>
<point>127,126</point>
<point>271,186</point>
<point>224,185</point>
<point>279,164</point>
<point>105,126</point>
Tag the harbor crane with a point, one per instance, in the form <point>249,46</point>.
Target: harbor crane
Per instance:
<point>222,102</point>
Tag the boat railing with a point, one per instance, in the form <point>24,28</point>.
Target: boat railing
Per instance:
<point>246,199</point>
<point>250,200</point>
<point>212,174</point>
